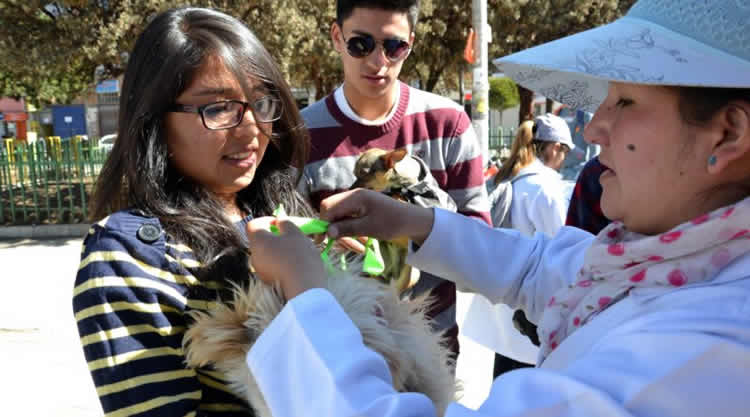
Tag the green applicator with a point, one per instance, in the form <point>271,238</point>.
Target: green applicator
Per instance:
<point>373,263</point>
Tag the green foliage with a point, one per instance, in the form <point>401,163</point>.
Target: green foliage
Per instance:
<point>522,24</point>
<point>503,93</point>
<point>50,49</point>
<point>437,56</point>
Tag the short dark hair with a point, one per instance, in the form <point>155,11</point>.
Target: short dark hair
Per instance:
<point>697,105</point>
<point>345,8</point>
<point>139,174</point>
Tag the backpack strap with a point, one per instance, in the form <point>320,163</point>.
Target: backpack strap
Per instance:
<point>518,177</point>
<point>501,199</point>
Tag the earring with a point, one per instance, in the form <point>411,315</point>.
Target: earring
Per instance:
<point>712,160</point>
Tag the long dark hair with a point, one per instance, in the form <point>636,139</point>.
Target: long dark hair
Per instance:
<point>138,174</point>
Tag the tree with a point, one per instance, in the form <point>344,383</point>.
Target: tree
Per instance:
<point>503,93</point>
<point>440,37</point>
<point>303,48</point>
<point>521,24</point>
<point>49,50</point>
<point>53,51</point>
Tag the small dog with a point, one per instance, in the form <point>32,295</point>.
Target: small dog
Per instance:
<point>395,328</point>
<point>391,173</point>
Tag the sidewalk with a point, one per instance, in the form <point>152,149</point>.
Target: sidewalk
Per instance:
<point>47,231</point>
<point>44,372</point>
<point>40,356</point>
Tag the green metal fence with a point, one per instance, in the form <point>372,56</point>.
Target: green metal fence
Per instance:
<point>49,181</point>
<point>501,138</point>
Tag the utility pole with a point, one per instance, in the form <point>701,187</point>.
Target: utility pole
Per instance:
<point>480,94</point>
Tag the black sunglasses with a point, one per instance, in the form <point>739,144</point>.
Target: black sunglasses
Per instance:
<point>229,113</point>
<point>360,46</point>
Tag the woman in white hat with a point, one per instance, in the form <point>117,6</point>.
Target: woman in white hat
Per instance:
<point>651,317</point>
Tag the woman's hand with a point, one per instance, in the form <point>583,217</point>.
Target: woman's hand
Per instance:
<point>290,258</point>
<point>363,212</point>
<point>356,245</point>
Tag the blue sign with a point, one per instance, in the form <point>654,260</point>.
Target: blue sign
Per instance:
<point>108,86</point>
<point>2,116</point>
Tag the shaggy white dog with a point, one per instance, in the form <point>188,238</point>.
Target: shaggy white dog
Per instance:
<point>395,328</point>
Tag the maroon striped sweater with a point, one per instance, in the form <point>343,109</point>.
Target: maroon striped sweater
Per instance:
<point>429,126</point>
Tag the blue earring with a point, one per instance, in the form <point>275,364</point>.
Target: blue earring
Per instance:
<point>712,160</point>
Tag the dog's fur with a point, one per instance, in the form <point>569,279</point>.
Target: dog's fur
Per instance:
<point>395,328</point>
<point>390,172</point>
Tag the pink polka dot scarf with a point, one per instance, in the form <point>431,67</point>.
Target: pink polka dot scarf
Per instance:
<point>620,260</point>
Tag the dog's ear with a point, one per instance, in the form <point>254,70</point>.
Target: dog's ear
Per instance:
<point>391,158</point>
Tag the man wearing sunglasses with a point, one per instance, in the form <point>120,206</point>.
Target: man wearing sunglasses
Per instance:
<point>373,109</point>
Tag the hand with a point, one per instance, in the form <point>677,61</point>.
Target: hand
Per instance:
<point>363,212</point>
<point>290,258</point>
<point>356,245</point>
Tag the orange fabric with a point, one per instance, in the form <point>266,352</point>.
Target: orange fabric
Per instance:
<point>469,55</point>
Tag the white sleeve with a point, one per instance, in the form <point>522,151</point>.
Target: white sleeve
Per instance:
<point>501,264</point>
<point>311,361</point>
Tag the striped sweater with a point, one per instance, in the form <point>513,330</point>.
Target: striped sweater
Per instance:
<point>431,127</point>
<point>131,296</point>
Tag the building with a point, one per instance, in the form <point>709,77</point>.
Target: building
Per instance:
<point>13,118</point>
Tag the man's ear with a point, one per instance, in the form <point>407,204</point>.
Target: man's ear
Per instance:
<point>337,37</point>
<point>733,143</point>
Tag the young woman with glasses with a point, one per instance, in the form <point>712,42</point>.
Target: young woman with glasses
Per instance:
<point>209,136</point>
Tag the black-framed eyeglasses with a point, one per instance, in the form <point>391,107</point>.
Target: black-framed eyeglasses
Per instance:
<point>361,45</point>
<point>227,114</point>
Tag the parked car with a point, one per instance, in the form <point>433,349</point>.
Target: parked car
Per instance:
<point>107,142</point>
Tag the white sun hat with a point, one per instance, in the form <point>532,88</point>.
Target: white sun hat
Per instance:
<point>701,43</point>
<point>551,128</point>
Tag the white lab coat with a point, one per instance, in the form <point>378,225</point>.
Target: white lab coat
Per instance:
<point>539,205</point>
<point>540,201</point>
<point>663,352</point>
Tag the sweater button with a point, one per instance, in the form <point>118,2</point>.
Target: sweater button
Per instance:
<point>148,233</point>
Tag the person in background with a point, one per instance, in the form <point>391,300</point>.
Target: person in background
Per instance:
<point>574,162</point>
<point>373,109</point>
<point>538,204</point>
<point>585,210</point>
<point>209,137</point>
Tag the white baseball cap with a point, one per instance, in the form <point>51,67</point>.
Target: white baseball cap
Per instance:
<point>551,128</point>
<point>697,43</point>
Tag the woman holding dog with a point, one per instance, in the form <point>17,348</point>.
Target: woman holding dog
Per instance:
<point>651,317</point>
<point>209,137</point>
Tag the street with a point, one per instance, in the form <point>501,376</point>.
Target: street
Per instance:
<point>44,372</point>
<point>43,369</point>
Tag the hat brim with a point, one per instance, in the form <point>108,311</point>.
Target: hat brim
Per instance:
<point>576,70</point>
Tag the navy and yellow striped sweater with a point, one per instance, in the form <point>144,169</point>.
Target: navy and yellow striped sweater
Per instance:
<point>131,296</point>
